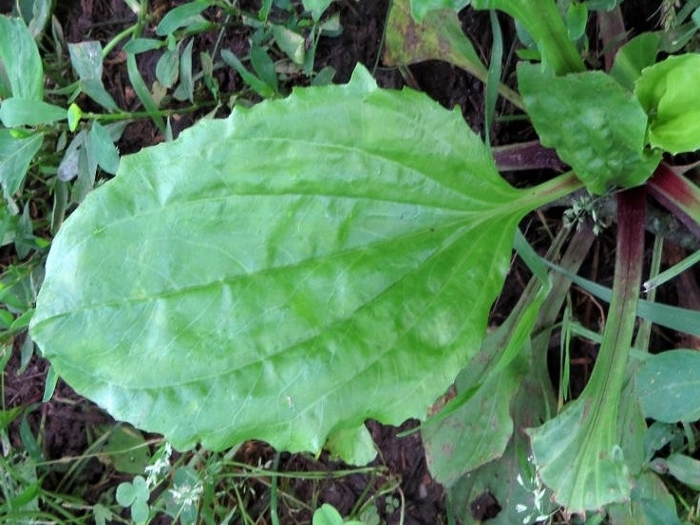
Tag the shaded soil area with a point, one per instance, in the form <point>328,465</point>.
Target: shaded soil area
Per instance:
<point>415,499</point>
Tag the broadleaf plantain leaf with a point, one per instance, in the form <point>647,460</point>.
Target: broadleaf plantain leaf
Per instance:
<point>285,273</point>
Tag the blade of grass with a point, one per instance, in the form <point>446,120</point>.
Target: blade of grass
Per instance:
<point>493,79</point>
<point>673,317</point>
<point>274,516</point>
<point>142,92</point>
<point>644,332</point>
<point>671,273</point>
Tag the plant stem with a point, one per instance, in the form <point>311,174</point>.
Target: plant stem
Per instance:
<point>610,368</point>
<point>117,38</point>
<point>678,195</point>
<point>644,331</point>
<point>550,191</point>
<point>131,115</point>
<point>274,516</point>
<point>578,453</point>
<point>612,33</point>
<point>526,156</point>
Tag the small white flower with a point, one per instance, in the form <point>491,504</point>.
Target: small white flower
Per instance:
<point>161,467</point>
<point>187,495</point>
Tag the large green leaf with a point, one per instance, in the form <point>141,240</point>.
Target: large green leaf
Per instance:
<point>595,124</point>
<point>285,273</point>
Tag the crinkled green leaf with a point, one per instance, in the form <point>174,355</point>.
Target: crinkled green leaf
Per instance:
<point>20,58</point>
<point>668,93</point>
<point>29,112</point>
<point>285,273</point>
<point>668,386</point>
<point>596,126</point>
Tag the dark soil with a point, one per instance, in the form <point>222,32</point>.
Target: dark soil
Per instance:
<point>67,421</point>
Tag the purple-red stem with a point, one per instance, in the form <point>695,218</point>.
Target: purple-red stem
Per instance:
<point>526,156</point>
<point>610,368</point>
<point>678,195</point>
<point>611,29</point>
